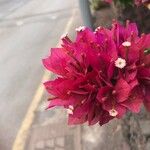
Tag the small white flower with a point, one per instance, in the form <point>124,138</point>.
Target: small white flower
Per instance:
<point>120,63</point>
<point>126,44</point>
<point>81,28</point>
<point>64,35</point>
<point>113,113</point>
<point>98,28</point>
<point>70,109</point>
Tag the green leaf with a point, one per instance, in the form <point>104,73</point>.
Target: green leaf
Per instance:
<point>126,2</point>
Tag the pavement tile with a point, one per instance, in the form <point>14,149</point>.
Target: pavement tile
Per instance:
<point>50,143</point>
<point>54,136</point>
<point>60,141</point>
<point>39,145</point>
<point>57,148</point>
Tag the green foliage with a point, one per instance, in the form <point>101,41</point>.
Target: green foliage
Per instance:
<point>98,4</point>
<point>126,2</point>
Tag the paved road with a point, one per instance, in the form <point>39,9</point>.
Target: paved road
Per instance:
<point>27,29</point>
<point>9,6</point>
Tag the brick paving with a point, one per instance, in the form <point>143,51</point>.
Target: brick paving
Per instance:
<point>51,132</point>
<point>54,137</point>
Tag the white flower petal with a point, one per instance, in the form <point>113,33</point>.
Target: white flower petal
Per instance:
<point>126,44</point>
<point>120,63</point>
<point>71,107</point>
<point>69,111</point>
<point>81,28</point>
<point>113,113</point>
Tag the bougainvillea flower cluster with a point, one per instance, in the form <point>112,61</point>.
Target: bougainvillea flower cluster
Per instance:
<point>101,75</point>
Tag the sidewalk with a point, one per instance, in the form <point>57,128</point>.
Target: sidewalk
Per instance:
<point>51,132</point>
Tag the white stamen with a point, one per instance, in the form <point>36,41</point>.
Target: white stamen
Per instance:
<point>71,107</point>
<point>81,28</point>
<point>69,111</point>
<point>113,113</point>
<point>98,28</point>
<point>126,44</point>
<point>120,63</point>
<point>64,35</point>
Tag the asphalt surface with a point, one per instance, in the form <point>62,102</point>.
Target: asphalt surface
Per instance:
<point>9,6</point>
<point>28,28</point>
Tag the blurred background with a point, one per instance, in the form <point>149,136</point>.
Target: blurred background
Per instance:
<point>28,29</point>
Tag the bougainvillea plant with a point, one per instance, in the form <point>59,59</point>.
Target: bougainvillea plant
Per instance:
<point>101,75</point>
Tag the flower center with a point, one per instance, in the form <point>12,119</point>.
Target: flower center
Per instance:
<point>113,113</point>
<point>70,109</point>
<point>126,44</point>
<point>81,28</point>
<point>120,63</point>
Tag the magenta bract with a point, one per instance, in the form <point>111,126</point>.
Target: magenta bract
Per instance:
<point>101,75</point>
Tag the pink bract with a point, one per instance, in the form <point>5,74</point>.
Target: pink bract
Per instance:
<point>101,75</point>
